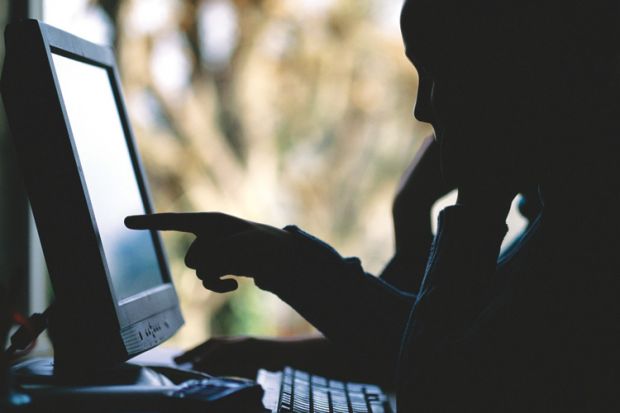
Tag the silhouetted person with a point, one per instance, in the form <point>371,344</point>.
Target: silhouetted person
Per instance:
<point>521,95</point>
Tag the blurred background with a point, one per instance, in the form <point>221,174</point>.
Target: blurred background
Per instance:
<point>278,111</point>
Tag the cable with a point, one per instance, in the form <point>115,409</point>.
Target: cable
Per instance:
<point>24,338</point>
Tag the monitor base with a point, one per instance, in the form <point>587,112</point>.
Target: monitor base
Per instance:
<point>132,388</point>
<point>40,370</point>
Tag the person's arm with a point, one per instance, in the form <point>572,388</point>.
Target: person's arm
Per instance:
<point>243,356</point>
<point>358,312</point>
<point>420,187</point>
<point>445,362</point>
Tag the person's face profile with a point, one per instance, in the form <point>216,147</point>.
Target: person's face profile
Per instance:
<point>420,39</point>
<point>468,103</point>
<point>412,29</point>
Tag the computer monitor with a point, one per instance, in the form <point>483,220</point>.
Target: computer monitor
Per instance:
<point>114,297</point>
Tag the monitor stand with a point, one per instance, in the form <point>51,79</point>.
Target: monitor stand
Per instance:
<point>41,371</point>
<point>70,365</point>
<point>126,387</point>
<point>129,387</point>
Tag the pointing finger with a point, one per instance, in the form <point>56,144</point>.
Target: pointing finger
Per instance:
<point>214,224</point>
<point>165,222</point>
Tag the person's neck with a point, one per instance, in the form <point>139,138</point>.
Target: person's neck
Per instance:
<point>582,165</point>
<point>585,185</point>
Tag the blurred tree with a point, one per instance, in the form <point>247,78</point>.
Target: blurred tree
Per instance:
<point>275,110</point>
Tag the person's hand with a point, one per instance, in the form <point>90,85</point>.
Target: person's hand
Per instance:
<point>237,356</point>
<point>243,356</point>
<point>226,245</point>
<point>421,186</point>
<point>489,200</point>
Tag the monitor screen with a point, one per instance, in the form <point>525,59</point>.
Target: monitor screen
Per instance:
<point>108,174</point>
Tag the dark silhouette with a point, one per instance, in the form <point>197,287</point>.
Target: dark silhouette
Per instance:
<point>4,330</point>
<point>523,98</point>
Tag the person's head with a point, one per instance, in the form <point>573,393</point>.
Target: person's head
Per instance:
<point>507,84</point>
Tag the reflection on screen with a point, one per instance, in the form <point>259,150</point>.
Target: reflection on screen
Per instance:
<point>109,175</point>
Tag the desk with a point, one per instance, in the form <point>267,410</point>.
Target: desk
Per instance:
<point>151,390</point>
<point>160,356</point>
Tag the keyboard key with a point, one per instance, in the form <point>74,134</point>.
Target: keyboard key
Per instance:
<point>299,407</point>
<point>340,408</point>
<point>335,384</point>
<point>320,398</point>
<point>302,375</point>
<point>339,399</point>
<point>319,381</point>
<point>377,408</point>
<point>371,388</point>
<point>355,387</point>
<point>358,403</point>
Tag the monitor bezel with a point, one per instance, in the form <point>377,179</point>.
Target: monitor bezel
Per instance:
<point>128,309</point>
<point>90,323</point>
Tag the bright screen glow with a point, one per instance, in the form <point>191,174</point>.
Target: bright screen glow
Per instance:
<point>109,175</point>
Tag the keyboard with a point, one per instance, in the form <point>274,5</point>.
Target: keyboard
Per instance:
<point>295,391</point>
